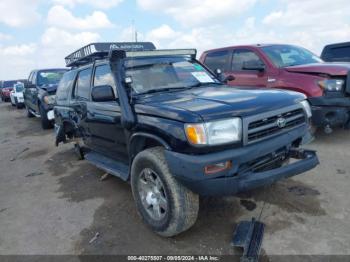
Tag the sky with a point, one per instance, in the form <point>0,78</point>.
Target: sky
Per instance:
<point>40,33</point>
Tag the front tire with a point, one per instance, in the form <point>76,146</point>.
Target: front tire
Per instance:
<point>45,122</point>
<point>164,204</point>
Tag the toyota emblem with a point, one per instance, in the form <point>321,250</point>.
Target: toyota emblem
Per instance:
<point>281,122</point>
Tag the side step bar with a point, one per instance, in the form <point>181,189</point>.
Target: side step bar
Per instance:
<point>107,164</point>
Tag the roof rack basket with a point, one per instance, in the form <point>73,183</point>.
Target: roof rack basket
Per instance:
<point>94,51</point>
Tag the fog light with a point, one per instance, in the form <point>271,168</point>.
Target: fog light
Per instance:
<point>215,168</point>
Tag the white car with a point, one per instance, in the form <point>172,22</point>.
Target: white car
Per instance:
<point>16,95</point>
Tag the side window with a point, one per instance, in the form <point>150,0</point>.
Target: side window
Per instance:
<point>339,53</point>
<point>65,85</point>
<point>82,85</point>
<point>103,76</point>
<point>218,59</point>
<point>242,56</point>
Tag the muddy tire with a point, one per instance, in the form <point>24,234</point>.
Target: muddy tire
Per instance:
<point>164,204</point>
<point>45,122</point>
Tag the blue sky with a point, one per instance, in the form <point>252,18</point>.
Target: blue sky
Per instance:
<point>39,33</point>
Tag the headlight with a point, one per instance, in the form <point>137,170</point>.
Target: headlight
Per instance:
<point>307,108</point>
<point>332,84</point>
<point>215,133</point>
<point>49,100</point>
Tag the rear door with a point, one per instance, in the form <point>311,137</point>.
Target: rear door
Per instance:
<point>245,77</point>
<point>104,119</point>
<point>80,97</point>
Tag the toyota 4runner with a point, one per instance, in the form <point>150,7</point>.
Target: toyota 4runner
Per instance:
<point>161,120</point>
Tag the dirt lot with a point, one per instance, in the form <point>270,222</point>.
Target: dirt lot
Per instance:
<point>51,203</point>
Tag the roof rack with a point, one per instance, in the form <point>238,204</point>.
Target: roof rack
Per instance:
<point>94,51</point>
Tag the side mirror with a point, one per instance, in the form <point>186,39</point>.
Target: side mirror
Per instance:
<point>224,79</point>
<point>102,93</point>
<point>254,65</point>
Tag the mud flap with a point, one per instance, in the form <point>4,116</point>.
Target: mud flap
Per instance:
<point>249,235</point>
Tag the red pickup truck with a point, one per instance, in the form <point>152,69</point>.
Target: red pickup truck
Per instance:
<point>327,85</point>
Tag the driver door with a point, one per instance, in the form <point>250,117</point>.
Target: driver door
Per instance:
<point>244,77</point>
<point>104,119</point>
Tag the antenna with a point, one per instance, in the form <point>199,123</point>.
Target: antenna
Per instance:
<point>133,31</point>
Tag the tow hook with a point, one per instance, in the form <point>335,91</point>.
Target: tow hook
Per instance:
<point>328,130</point>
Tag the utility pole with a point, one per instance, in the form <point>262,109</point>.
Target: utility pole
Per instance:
<point>133,31</point>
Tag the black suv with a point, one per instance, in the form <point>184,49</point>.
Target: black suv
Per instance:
<point>161,120</point>
<point>39,94</point>
<point>339,52</point>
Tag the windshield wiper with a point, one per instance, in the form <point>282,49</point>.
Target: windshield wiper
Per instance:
<point>204,84</point>
<point>164,89</point>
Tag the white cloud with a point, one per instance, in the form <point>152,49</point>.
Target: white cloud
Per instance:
<point>19,60</point>
<point>54,45</point>
<point>5,37</point>
<point>56,37</point>
<point>162,32</point>
<point>18,50</point>
<point>272,17</point>
<point>94,3</point>
<point>58,16</point>
<point>57,43</point>
<point>198,12</point>
<point>309,23</point>
<point>19,13</point>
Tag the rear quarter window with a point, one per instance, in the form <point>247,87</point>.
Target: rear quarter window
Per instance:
<point>337,54</point>
<point>82,85</point>
<point>65,86</point>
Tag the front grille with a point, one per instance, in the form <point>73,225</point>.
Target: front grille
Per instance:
<point>268,126</point>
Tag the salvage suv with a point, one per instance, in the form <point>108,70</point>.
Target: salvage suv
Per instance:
<point>161,120</point>
<point>327,85</point>
<point>39,94</point>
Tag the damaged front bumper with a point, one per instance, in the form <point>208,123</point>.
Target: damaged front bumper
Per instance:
<point>247,170</point>
<point>330,111</point>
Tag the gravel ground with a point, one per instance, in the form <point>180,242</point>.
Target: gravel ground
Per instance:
<point>51,203</point>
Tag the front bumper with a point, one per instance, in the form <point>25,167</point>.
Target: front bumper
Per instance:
<point>330,111</point>
<point>189,169</point>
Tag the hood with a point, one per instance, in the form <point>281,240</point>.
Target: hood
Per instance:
<point>333,69</point>
<point>214,103</point>
<point>50,88</point>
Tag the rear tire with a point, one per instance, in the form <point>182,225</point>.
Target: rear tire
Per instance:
<point>45,122</point>
<point>164,204</point>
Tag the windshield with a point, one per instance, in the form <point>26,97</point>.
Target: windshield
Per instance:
<point>152,75</point>
<point>287,55</point>
<point>51,77</point>
<point>19,87</point>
